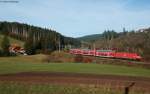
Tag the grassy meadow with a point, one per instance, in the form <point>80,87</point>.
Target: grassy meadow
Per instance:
<point>35,63</point>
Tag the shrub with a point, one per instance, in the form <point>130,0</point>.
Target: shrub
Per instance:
<point>78,58</point>
<point>87,60</point>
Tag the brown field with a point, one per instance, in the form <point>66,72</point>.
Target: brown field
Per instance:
<point>77,79</point>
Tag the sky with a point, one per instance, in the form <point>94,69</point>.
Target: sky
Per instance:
<point>76,18</point>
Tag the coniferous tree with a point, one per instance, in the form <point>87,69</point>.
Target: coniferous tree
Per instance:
<point>29,48</point>
<point>41,39</point>
<point>29,45</point>
<point>5,46</point>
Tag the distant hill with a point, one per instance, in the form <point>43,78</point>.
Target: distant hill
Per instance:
<point>90,38</point>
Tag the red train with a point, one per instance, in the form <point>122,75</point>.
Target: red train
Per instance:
<point>106,53</point>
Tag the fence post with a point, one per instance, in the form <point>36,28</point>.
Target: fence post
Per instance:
<point>127,89</point>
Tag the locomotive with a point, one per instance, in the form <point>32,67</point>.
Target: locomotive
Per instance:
<point>106,53</point>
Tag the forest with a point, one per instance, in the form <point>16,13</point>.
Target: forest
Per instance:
<point>37,39</point>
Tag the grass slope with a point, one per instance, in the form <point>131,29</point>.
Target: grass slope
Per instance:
<point>12,41</point>
<point>34,63</point>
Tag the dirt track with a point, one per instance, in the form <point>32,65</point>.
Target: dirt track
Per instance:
<point>74,78</point>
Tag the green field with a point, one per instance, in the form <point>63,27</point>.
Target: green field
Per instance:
<point>35,64</point>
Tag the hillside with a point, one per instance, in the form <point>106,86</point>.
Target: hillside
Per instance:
<point>37,38</point>
<point>90,38</point>
<point>127,41</point>
<point>12,41</point>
